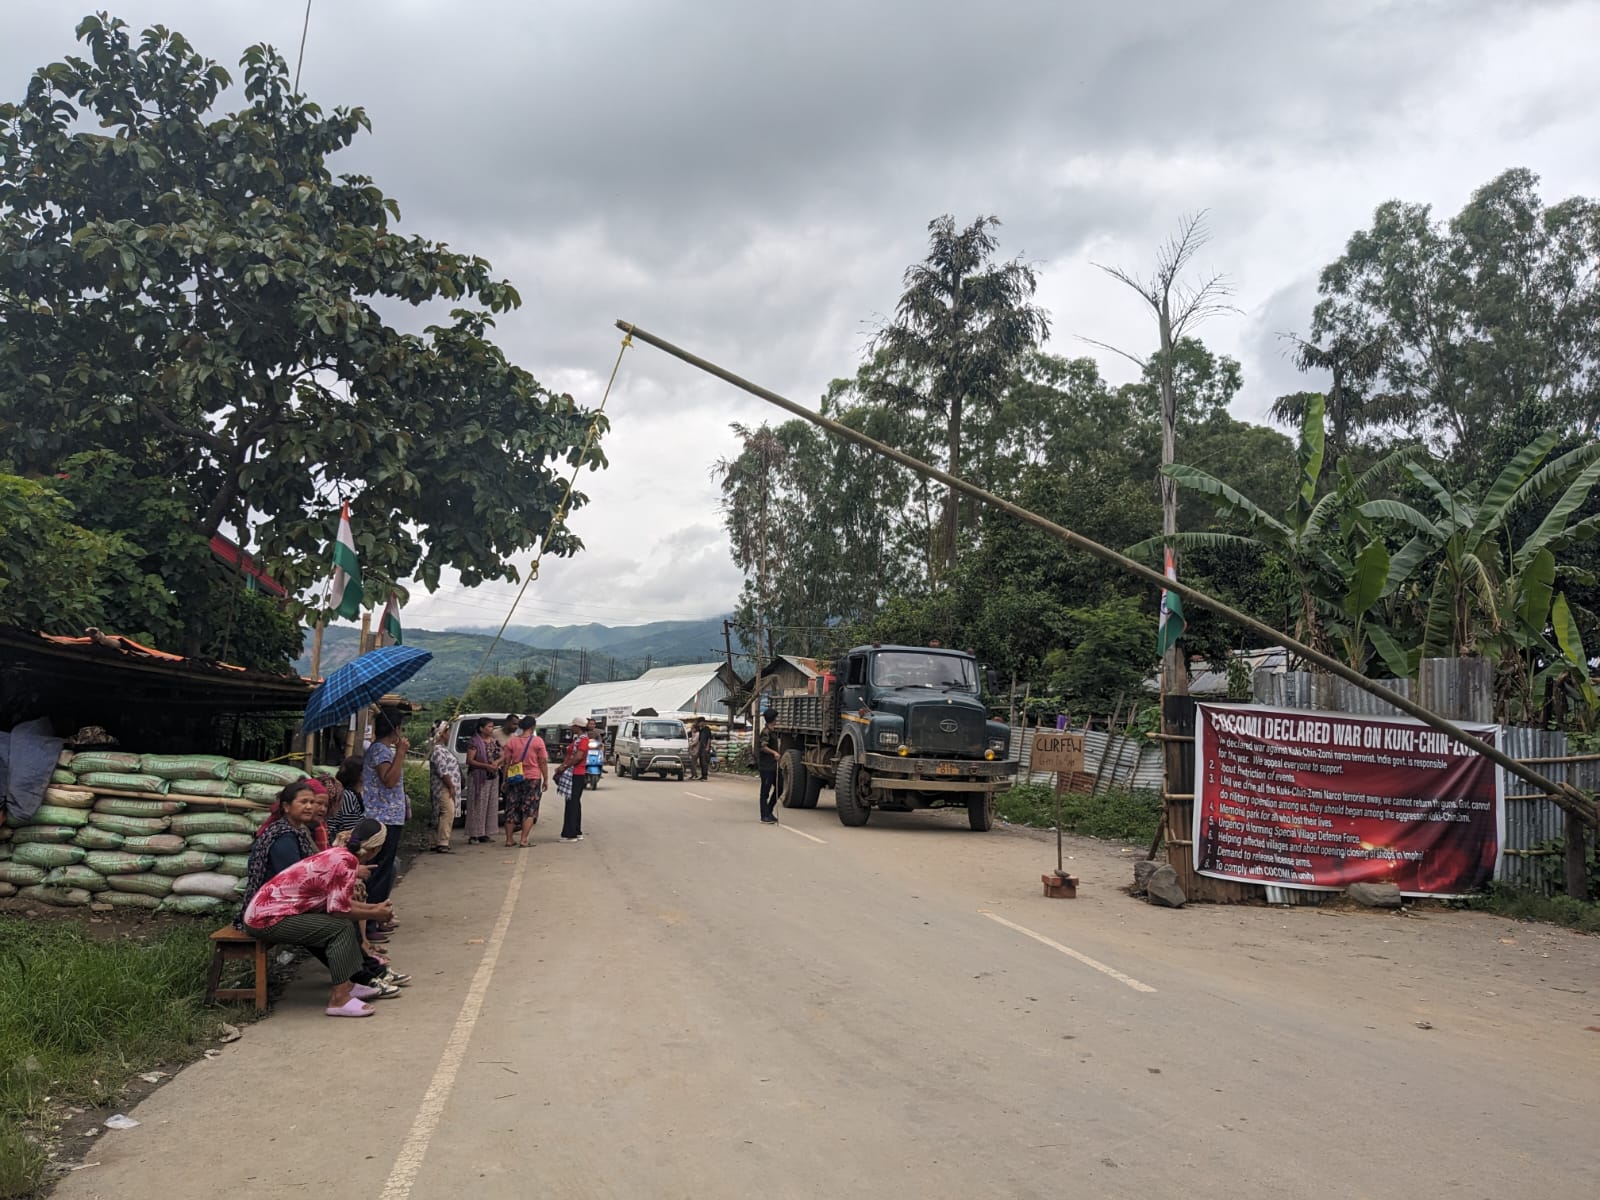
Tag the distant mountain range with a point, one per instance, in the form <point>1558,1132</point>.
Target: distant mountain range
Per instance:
<point>605,652</point>
<point>665,642</point>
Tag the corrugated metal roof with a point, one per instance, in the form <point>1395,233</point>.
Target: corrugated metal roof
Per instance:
<point>665,689</point>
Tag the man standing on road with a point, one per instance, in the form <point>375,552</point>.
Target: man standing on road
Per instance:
<point>576,764</point>
<point>702,747</point>
<point>767,763</point>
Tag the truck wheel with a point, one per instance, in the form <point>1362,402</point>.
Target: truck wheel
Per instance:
<point>791,779</point>
<point>810,789</point>
<point>847,787</point>
<point>980,811</point>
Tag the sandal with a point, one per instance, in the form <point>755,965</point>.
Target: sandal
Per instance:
<point>351,1008</point>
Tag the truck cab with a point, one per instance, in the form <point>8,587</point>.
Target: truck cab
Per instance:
<point>900,728</point>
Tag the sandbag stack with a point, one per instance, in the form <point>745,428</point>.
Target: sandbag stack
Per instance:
<point>166,833</point>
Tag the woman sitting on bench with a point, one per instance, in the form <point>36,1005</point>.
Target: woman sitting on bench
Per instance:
<point>311,904</point>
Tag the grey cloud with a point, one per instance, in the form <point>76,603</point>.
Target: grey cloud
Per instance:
<point>751,180</point>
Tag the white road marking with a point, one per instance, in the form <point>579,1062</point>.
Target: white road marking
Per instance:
<point>412,1151</point>
<point>802,833</point>
<point>1071,953</point>
<point>698,796</point>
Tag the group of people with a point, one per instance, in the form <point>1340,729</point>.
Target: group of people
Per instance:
<point>323,864</point>
<point>513,767</point>
<point>322,868</point>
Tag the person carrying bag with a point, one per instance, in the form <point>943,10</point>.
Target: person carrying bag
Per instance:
<point>524,781</point>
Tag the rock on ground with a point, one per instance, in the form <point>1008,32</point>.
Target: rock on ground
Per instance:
<point>1375,895</point>
<point>1163,888</point>
<point>1142,870</point>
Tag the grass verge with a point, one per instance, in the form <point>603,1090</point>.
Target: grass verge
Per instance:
<point>1114,814</point>
<point>81,1015</point>
<point>1530,906</point>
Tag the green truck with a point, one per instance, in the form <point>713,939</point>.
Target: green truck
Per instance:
<point>896,729</point>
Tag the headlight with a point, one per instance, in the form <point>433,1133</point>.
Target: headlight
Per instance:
<point>998,745</point>
<point>888,739</point>
<point>989,754</point>
<point>904,751</point>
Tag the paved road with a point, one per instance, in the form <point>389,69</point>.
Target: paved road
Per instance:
<point>689,1004</point>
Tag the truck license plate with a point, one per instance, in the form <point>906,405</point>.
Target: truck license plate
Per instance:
<point>947,769</point>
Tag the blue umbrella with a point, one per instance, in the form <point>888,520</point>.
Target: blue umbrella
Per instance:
<point>358,683</point>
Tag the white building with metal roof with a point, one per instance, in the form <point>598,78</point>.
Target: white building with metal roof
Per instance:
<point>690,690</point>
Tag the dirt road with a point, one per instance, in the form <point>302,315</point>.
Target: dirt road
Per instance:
<point>690,1004</point>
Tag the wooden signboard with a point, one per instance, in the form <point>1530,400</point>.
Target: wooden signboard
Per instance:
<point>1058,752</point>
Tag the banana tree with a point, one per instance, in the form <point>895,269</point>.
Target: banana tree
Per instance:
<point>1480,590</point>
<point>1339,564</point>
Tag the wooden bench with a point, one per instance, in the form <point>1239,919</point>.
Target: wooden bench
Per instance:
<point>234,945</point>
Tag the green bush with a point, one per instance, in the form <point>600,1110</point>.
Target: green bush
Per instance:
<point>1114,814</point>
<point>81,1015</point>
<point>1583,916</point>
<point>419,829</point>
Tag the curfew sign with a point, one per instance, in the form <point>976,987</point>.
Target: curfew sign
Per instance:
<point>1304,799</point>
<point>1057,751</point>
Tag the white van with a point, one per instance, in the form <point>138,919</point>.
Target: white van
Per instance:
<point>659,744</point>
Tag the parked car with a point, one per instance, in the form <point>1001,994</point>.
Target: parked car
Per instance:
<point>659,744</point>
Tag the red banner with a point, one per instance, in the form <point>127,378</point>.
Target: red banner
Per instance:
<point>1305,799</point>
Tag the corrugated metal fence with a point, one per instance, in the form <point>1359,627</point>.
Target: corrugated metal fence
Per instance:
<point>1461,689</point>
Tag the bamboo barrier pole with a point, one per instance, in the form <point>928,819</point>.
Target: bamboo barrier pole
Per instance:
<point>1567,797</point>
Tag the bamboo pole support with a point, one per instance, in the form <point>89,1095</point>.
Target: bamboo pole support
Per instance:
<point>1569,798</point>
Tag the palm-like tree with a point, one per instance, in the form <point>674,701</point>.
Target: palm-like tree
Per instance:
<point>1488,593</point>
<point>1340,566</point>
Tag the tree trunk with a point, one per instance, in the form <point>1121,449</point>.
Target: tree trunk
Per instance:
<point>952,500</point>
<point>1173,672</point>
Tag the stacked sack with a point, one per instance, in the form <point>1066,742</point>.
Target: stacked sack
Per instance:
<point>161,832</point>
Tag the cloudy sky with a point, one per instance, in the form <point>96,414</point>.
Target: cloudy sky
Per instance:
<point>750,180</point>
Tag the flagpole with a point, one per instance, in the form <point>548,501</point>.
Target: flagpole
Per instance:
<point>316,673</point>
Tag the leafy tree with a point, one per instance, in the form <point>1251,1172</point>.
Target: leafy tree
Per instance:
<point>1110,651</point>
<point>499,694</point>
<point>961,327</point>
<point>170,587</point>
<point>1496,308</point>
<point>55,575</point>
<point>1353,357</point>
<point>750,491</point>
<point>198,292</point>
<point>538,694</point>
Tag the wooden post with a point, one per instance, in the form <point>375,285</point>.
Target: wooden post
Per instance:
<point>1577,865</point>
<point>354,737</point>
<point>1060,862</point>
<point>316,673</point>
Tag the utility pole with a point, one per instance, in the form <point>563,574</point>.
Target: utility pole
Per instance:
<point>727,646</point>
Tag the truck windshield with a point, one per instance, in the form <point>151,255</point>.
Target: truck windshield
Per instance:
<point>661,729</point>
<point>912,668</point>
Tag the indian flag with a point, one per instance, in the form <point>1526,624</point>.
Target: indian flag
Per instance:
<point>1172,623</point>
<point>345,600</point>
<point>391,621</point>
